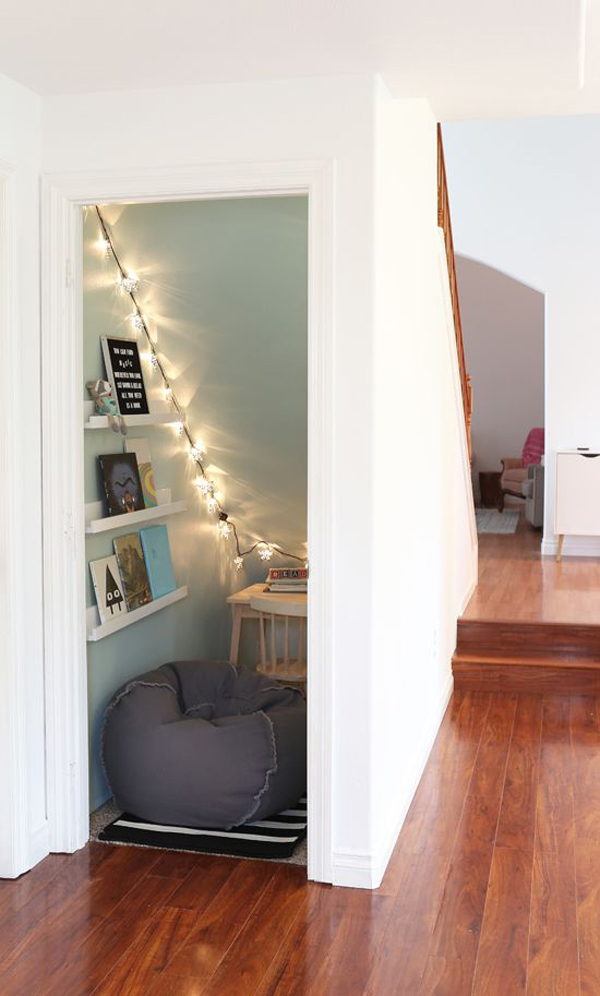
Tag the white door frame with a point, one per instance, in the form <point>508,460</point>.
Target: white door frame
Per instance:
<point>62,421</point>
<point>15,850</point>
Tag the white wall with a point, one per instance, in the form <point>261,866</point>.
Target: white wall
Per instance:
<point>503,329</point>
<point>22,776</point>
<point>424,541</point>
<point>322,119</point>
<point>397,456</point>
<point>524,200</point>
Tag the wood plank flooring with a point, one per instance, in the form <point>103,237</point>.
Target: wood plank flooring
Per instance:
<point>493,889</point>
<point>532,625</point>
<point>518,584</point>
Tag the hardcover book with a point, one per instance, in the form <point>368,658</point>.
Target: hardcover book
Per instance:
<point>141,448</point>
<point>157,553</point>
<point>134,576</point>
<point>124,371</point>
<point>108,588</point>
<point>122,484</point>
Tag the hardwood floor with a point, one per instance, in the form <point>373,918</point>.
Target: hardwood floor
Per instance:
<point>493,889</point>
<point>516,583</point>
<point>532,625</point>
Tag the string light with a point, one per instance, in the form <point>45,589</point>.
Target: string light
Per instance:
<point>205,486</point>
<point>129,283</point>
<point>197,450</point>
<point>223,527</point>
<point>104,246</point>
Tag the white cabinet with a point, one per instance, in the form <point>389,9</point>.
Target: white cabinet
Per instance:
<point>577,509</point>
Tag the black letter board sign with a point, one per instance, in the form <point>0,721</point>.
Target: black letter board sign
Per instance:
<point>124,371</point>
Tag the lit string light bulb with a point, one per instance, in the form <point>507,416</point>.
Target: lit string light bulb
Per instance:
<point>238,562</point>
<point>136,321</point>
<point>129,282</point>
<point>204,485</point>
<point>223,527</point>
<point>212,504</point>
<point>197,451</point>
<point>265,551</point>
<point>104,247</point>
<point>168,393</point>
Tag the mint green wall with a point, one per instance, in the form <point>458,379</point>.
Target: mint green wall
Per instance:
<point>225,285</point>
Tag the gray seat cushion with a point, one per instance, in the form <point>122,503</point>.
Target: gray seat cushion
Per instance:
<point>199,744</point>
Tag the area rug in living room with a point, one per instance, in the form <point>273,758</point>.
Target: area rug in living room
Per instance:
<point>274,838</point>
<point>490,520</point>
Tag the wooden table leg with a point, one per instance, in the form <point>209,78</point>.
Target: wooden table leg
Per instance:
<point>561,540</point>
<point>236,631</point>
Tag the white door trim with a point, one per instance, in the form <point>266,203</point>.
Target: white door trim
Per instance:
<point>14,838</point>
<point>62,421</point>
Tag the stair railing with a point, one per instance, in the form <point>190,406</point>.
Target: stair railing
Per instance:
<point>445,223</point>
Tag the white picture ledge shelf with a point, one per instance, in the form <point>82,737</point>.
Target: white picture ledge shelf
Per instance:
<point>160,416</point>
<point>97,631</point>
<point>95,522</point>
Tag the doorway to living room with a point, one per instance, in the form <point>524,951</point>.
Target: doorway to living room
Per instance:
<point>503,323</point>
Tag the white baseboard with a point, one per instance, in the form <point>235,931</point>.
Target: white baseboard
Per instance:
<point>354,870</point>
<point>573,546</point>
<point>361,870</point>
<point>467,596</point>
<point>39,844</point>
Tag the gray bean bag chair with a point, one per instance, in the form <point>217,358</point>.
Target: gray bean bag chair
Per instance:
<point>200,744</point>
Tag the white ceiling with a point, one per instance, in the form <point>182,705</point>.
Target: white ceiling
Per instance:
<point>459,53</point>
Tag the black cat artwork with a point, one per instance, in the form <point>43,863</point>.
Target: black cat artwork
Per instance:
<point>114,596</point>
<point>122,484</point>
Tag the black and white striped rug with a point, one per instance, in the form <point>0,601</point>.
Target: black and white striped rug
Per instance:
<point>273,838</point>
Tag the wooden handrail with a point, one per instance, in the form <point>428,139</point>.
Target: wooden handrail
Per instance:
<point>445,223</point>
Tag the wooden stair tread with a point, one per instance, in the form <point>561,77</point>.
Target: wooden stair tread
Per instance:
<point>527,661</point>
<point>553,658</point>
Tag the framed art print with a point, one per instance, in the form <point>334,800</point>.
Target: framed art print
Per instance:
<point>122,484</point>
<point>132,568</point>
<point>108,588</point>
<point>124,371</point>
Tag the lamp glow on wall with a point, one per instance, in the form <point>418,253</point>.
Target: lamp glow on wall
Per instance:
<point>128,282</point>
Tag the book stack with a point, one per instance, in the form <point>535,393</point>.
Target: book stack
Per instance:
<point>287,579</point>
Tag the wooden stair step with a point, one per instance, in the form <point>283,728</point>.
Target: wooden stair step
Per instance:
<point>542,658</point>
<point>546,641</point>
<point>526,661</point>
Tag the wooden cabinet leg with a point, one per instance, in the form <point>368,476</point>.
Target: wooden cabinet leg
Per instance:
<point>236,631</point>
<point>561,539</point>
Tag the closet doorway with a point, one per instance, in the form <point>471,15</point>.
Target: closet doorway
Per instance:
<point>66,365</point>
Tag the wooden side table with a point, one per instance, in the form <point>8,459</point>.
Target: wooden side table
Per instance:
<point>242,608</point>
<point>491,491</point>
